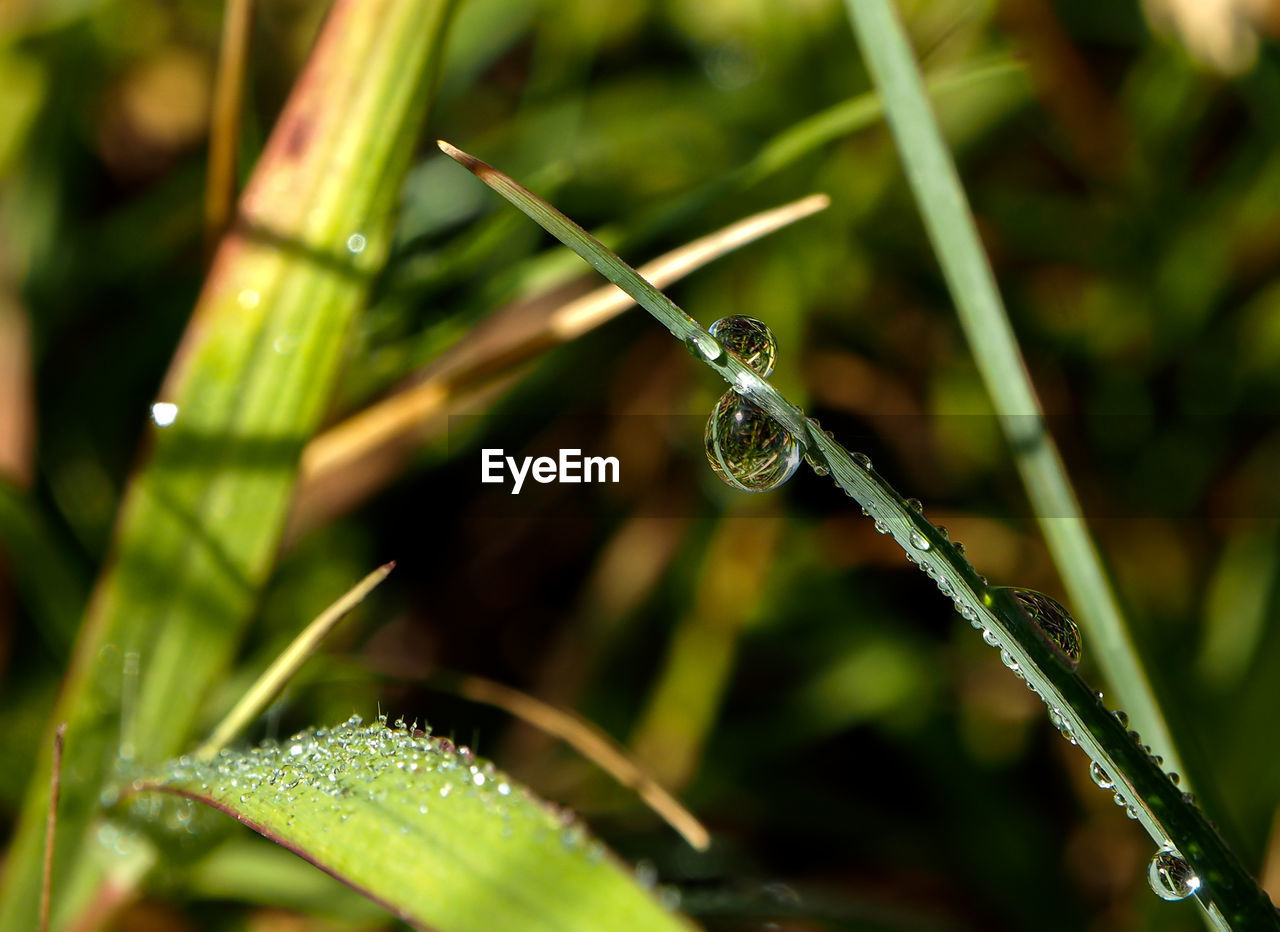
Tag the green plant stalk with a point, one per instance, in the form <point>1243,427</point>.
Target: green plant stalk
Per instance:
<point>1229,895</point>
<point>200,523</point>
<point>933,178</point>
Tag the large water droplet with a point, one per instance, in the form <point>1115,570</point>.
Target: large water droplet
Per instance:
<point>1052,621</point>
<point>750,340</point>
<point>748,449</point>
<point>1171,877</point>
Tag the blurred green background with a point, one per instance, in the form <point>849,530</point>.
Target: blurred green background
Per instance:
<point>863,760</point>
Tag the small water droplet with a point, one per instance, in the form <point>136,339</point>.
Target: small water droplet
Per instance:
<point>164,413</point>
<point>862,460</point>
<point>990,637</point>
<point>750,340</point>
<point>881,527</point>
<point>1171,877</point>
<point>918,540</point>
<point>247,299</point>
<point>1100,776</point>
<point>1008,660</point>
<point>958,547</point>
<point>1174,778</point>
<point>356,243</point>
<point>702,346</point>
<point>1122,717</point>
<point>295,750</point>
<point>746,448</point>
<point>915,505</point>
<point>817,465</point>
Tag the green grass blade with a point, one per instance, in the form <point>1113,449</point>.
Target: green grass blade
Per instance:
<point>441,839</point>
<point>1228,893</point>
<point>932,175</point>
<point>200,524</point>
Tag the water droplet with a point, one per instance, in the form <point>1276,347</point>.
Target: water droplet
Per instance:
<point>918,540</point>
<point>1100,776</point>
<point>818,466</point>
<point>958,547</point>
<point>881,527</point>
<point>990,638</point>
<point>702,346</point>
<point>862,460</point>
<point>164,413</point>
<point>1171,877</point>
<point>1008,659</point>
<point>1174,778</point>
<point>356,243</point>
<point>1053,622</point>
<point>1122,717</point>
<point>750,340</point>
<point>748,449</point>
<point>915,505</point>
<point>247,299</point>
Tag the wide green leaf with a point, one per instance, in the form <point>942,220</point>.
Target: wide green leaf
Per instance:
<point>438,836</point>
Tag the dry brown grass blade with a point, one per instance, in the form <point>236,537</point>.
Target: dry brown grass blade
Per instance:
<point>593,744</point>
<point>225,119</point>
<point>17,392</point>
<point>350,461</point>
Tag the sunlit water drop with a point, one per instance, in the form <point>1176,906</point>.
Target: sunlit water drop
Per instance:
<point>702,346</point>
<point>164,413</point>
<point>1171,877</point>
<point>356,243</point>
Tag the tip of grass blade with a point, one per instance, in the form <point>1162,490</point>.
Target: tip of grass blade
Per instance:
<point>465,159</point>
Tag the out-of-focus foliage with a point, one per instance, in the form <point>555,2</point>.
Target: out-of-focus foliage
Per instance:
<point>862,759</point>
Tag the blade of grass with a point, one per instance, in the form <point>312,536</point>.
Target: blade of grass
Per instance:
<point>258,696</point>
<point>935,182</point>
<point>437,836</point>
<point>591,742</point>
<point>200,525</point>
<point>224,129</point>
<point>51,826</point>
<point>1229,896</point>
<point>350,461</point>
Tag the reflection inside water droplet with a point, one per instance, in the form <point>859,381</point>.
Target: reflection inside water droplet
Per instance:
<point>1171,877</point>
<point>748,449</point>
<point>1053,622</point>
<point>1100,776</point>
<point>750,340</point>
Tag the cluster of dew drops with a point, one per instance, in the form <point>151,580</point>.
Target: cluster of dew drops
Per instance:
<point>752,452</point>
<point>338,762</point>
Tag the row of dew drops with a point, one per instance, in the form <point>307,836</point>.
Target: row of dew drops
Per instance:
<point>751,451</point>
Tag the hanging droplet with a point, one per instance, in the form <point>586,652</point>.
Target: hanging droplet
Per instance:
<point>862,460</point>
<point>750,340</point>
<point>1171,877</point>
<point>1008,660</point>
<point>915,505</point>
<point>1053,622</point>
<point>1100,776</point>
<point>881,527</point>
<point>818,466</point>
<point>748,449</point>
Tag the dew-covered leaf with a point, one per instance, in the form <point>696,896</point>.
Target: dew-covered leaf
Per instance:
<point>438,836</point>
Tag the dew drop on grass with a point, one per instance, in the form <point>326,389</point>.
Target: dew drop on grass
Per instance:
<point>1171,877</point>
<point>746,448</point>
<point>915,505</point>
<point>356,243</point>
<point>1053,622</point>
<point>862,460</point>
<point>702,346</point>
<point>164,413</point>
<point>1100,776</point>
<point>750,340</point>
<point>919,541</point>
<point>881,527</point>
